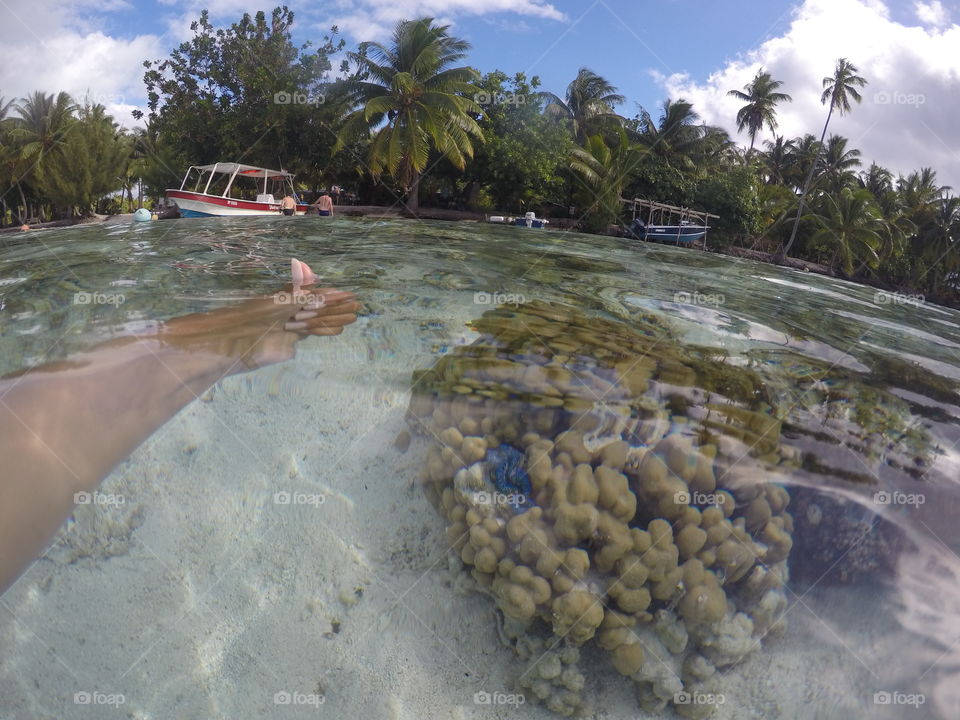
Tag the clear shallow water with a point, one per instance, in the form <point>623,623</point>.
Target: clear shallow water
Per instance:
<point>865,392</point>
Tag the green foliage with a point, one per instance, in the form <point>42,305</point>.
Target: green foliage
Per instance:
<point>60,156</point>
<point>838,90</point>
<point>733,195</point>
<point>90,163</point>
<point>522,163</point>
<point>850,227</point>
<point>413,101</point>
<point>587,106</point>
<point>762,98</point>
<point>602,170</point>
<point>247,93</point>
<point>409,109</point>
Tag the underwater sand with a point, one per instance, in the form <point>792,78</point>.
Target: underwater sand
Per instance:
<point>201,597</point>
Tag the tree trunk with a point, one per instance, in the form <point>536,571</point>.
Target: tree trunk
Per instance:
<point>23,200</point>
<point>413,193</point>
<point>806,186</point>
<point>833,260</point>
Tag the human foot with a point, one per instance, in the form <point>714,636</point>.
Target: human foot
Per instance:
<point>262,331</point>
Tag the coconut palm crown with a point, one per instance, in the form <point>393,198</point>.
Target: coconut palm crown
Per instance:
<point>412,98</point>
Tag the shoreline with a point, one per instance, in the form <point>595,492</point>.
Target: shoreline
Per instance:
<point>399,212</point>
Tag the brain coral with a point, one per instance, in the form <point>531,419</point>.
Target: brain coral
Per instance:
<point>607,486</point>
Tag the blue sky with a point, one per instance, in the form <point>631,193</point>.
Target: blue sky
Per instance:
<point>625,40</point>
<point>649,49</point>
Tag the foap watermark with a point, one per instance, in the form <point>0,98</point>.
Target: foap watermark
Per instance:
<point>698,698</point>
<point>882,297</point>
<point>298,698</point>
<point>698,298</point>
<point>95,697</point>
<point>893,97</point>
<point>97,498</point>
<point>498,698</point>
<point>685,497</point>
<point>98,298</point>
<point>499,498</point>
<point>510,98</point>
<point>498,298</point>
<point>298,498</point>
<point>884,497</point>
<point>299,297</point>
<point>298,98</point>
<point>107,99</point>
<point>885,697</point>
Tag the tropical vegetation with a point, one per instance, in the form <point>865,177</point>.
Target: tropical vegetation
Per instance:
<point>409,123</point>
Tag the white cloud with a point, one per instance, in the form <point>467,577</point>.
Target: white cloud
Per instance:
<point>42,50</point>
<point>906,118</point>
<point>375,19</point>
<point>932,13</point>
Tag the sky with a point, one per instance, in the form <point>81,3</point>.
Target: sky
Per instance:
<point>908,50</point>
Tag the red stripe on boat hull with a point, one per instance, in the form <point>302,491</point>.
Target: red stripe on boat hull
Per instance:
<point>215,201</point>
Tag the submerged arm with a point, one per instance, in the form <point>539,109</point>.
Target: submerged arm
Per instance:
<point>65,426</point>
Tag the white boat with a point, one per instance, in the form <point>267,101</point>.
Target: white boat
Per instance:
<point>531,220</point>
<point>227,189</point>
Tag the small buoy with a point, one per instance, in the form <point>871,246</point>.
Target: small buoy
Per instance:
<point>142,215</point>
<point>154,217</point>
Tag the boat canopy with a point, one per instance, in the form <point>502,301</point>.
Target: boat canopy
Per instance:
<point>660,209</point>
<point>229,168</point>
<point>233,171</point>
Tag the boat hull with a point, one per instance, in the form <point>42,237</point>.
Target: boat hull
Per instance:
<point>680,234</point>
<point>538,223</point>
<point>672,234</point>
<point>194,204</point>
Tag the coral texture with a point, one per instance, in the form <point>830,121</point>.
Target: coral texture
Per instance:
<point>608,486</point>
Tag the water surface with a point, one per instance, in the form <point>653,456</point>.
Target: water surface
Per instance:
<point>864,392</point>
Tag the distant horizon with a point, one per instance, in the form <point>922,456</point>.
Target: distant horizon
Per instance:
<point>905,51</point>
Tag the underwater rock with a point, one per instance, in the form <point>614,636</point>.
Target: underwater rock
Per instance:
<point>842,542</point>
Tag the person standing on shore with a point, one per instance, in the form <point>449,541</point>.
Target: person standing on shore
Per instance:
<point>324,204</point>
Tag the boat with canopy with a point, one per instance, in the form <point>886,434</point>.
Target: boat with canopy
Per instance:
<point>227,189</point>
<point>667,223</point>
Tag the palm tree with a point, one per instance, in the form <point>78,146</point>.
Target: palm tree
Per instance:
<point>778,159</point>
<point>8,156</point>
<point>603,170</point>
<point>43,125</point>
<point>588,106</point>
<point>413,101</point>
<point>878,180</point>
<point>895,227</point>
<point>804,156</point>
<point>677,139</point>
<point>941,242</point>
<point>852,224</point>
<point>837,163</point>
<point>40,133</point>
<point>838,89</point>
<point>762,98</point>
<point>919,192</point>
